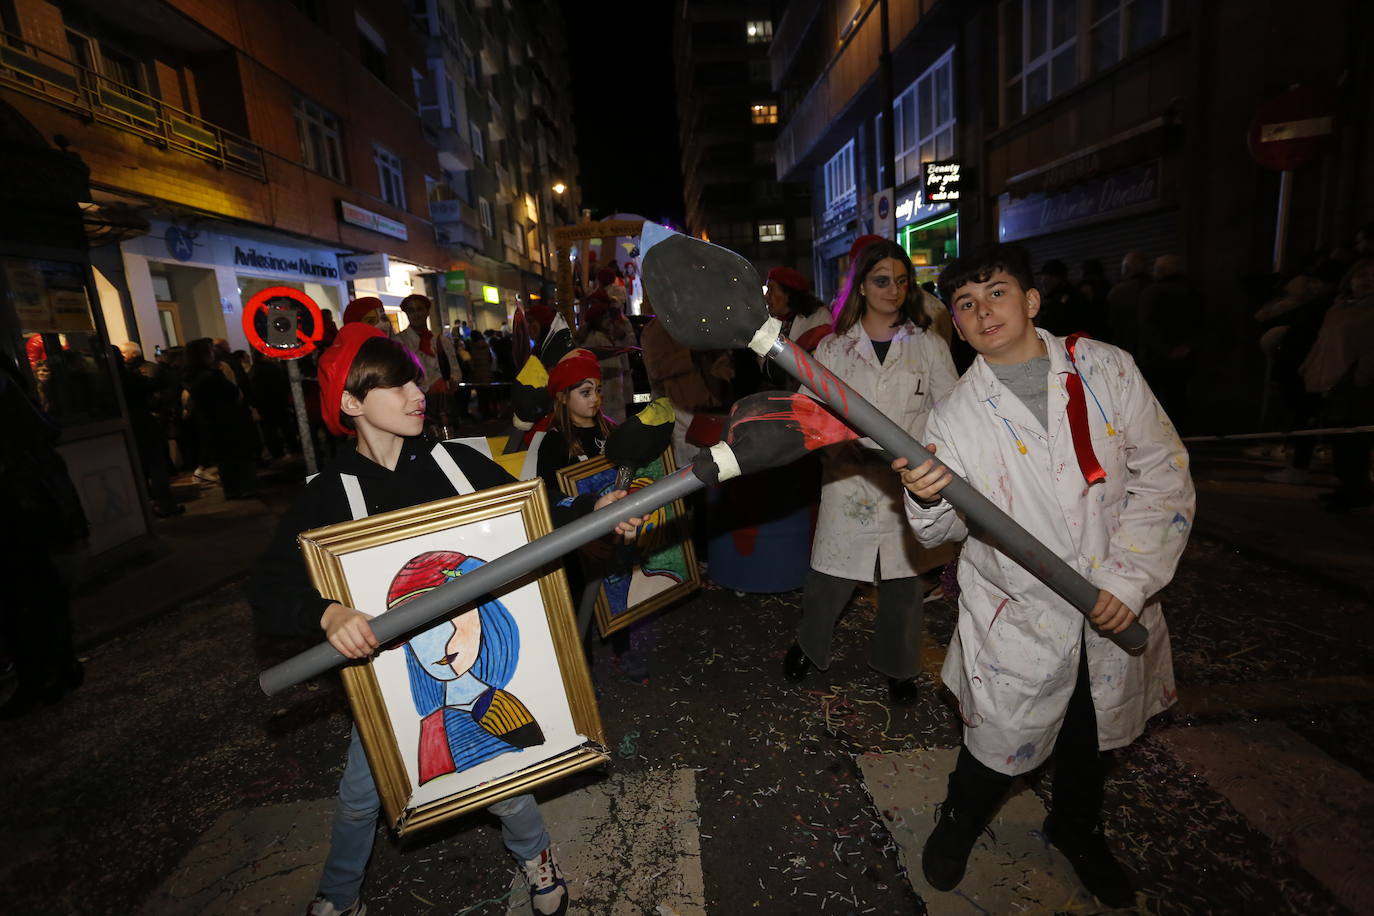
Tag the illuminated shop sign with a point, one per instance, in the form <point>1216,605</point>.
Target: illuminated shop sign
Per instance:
<point>942,182</point>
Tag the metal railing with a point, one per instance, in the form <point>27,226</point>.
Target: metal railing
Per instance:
<point>27,68</point>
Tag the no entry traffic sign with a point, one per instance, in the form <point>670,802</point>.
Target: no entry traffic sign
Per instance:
<point>282,322</point>
<point>1293,129</point>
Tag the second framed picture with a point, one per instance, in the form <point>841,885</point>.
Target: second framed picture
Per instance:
<point>664,568</point>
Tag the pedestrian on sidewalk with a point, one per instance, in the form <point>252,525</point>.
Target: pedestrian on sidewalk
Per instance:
<point>42,528</point>
<point>1340,370</point>
<point>883,348</point>
<point>1066,436</point>
<point>370,389</point>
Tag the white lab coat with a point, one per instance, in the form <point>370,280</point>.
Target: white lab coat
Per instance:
<point>860,520</point>
<point>1013,661</point>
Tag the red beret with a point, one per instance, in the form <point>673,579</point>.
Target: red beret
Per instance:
<point>360,307</point>
<point>573,369</point>
<point>863,242</point>
<point>333,371</point>
<point>790,278</point>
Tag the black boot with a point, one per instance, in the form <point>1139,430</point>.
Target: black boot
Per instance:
<point>796,665</point>
<point>1086,849</point>
<point>975,791</point>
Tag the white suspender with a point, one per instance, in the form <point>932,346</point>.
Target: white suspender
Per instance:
<point>451,470</point>
<point>354,491</point>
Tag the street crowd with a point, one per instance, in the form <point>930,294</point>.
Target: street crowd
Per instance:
<point>1058,397</point>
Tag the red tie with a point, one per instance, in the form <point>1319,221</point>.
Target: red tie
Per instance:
<point>426,335</point>
<point>1078,420</point>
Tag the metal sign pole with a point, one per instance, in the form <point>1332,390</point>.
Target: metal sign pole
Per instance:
<point>1281,221</point>
<point>293,370</point>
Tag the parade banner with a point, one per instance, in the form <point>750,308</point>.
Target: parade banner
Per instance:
<point>493,699</point>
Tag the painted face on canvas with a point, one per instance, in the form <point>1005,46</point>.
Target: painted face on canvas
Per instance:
<point>399,411</point>
<point>449,650</point>
<point>994,316</point>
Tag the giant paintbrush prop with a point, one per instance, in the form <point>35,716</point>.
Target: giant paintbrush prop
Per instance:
<point>710,298</point>
<point>765,430</point>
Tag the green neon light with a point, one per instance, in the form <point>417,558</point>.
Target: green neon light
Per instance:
<point>938,221</point>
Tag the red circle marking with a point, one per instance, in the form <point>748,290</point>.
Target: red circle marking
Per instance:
<point>307,343</point>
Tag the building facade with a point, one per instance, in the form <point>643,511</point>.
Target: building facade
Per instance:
<point>339,147</point>
<point>728,119</point>
<point>1081,131</point>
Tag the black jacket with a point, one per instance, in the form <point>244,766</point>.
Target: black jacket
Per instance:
<point>284,602</point>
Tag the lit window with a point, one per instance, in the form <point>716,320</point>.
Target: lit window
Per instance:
<point>479,145</point>
<point>923,121</point>
<point>763,113</point>
<point>389,177</point>
<point>484,211</point>
<point>771,232</point>
<point>839,177</point>
<point>318,132</point>
<point>759,31</point>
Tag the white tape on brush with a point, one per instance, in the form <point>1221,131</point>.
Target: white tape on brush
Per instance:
<point>724,457</point>
<point>765,335</point>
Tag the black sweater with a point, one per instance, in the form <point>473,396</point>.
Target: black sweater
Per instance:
<point>284,602</point>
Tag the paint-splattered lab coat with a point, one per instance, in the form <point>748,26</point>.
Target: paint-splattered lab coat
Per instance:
<point>1013,661</point>
<point>860,519</point>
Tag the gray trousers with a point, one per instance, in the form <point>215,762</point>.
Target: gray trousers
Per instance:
<point>896,646</point>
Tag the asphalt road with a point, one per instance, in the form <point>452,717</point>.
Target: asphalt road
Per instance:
<point>120,798</point>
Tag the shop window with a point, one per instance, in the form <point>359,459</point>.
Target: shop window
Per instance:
<point>758,31</point>
<point>371,48</point>
<point>1122,27</point>
<point>772,232</point>
<point>72,374</point>
<point>484,212</point>
<point>318,132</point>
<point>763,113</point>
<point>479,145</point>
<point>923,121</point>
<point>389,177</point>
<point>839,178</point>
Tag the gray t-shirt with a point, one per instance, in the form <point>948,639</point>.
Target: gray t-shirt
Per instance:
<point>1029,381</point>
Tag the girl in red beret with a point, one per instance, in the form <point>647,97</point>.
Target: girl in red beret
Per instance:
<point>369,390</point>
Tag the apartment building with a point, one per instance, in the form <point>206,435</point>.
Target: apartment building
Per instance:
<point>498,106</point>
<point>728,118</point>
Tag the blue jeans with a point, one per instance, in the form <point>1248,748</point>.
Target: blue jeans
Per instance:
<point>355,827</point>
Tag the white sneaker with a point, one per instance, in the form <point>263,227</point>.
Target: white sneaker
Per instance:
<point>320,906</point>
<point>548,890</point>
<point>206,475</point>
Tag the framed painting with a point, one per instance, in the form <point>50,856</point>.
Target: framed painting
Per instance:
<point>492,700</point>
<point>664,567</point>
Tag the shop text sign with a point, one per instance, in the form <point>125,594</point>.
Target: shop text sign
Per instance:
<point>942,182</point>
<point>288,264</point>
<point>1082,203</point>
<point>366,219</point>
<point>361,266</point>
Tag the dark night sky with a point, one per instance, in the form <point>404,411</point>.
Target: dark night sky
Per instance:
<point>625,107</point>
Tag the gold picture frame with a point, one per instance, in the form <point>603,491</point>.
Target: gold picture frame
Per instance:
<point>524,636</point>
<point>673,557</point>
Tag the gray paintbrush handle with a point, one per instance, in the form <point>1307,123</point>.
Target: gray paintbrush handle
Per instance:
<point>992,524</point>
<point>471,587</point>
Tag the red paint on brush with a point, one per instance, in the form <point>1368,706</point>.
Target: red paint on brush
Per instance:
<point>818,426</point>
<point>816,372</point>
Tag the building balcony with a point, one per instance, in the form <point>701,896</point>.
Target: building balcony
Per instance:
<point>455,150</point>
<point>28,69</point>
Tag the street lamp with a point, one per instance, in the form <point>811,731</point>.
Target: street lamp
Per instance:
<point>559,187</point>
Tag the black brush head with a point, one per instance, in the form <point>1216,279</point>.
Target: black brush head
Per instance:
<point>633,444</point>
<point>707,297</point>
